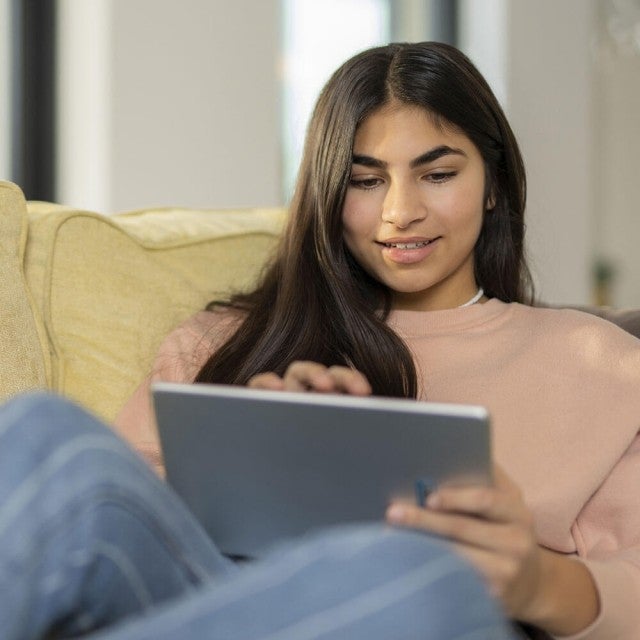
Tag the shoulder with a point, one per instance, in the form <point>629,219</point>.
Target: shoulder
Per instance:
<point>207,325</point>
<point>587,371</point>
<point>183,352</point>
<point>570,322</point>
<point>582,339</point>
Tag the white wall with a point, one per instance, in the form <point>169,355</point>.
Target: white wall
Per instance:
<point>551,106</point>
<point>5,106</point>
<point>617,231</point>
<point>483,36</point>
<point>185,110</point>
<point>84,99</point>
<point>541,69</point>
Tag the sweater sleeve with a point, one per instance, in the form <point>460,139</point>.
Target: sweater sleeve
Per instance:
<point>607,533</point>
<point>179,358</point>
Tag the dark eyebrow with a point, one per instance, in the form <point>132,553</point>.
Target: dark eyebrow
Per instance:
<point>368,161</point>
<point>425,158</point>
<point>435,154</point>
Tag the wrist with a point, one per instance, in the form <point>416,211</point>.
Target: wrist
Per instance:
<point>566,600</point>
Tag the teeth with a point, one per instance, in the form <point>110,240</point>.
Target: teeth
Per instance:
<point>408,245</point>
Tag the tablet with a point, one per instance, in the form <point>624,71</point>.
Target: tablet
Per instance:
<point>257,467</point>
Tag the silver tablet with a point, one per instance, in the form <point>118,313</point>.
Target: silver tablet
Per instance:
<point>257,467</point>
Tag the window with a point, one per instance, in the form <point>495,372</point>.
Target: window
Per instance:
<point>318,37</point>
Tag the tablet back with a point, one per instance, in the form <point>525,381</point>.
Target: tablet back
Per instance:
<point>256,467</point>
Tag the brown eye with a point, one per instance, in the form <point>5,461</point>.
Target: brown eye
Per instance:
<point>441,176</point>
<point>365,183</point>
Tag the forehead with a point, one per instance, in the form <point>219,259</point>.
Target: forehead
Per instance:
<point>404,125</point>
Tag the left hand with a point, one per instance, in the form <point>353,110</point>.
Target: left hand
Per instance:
<point>493,529</point>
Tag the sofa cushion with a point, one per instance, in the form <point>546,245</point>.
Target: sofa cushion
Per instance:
<point>22,359</point>
<point>109,288</point>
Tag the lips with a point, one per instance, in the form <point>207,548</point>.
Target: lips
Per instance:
<point>408,251</point>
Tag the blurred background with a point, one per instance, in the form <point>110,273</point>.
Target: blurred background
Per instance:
<point>112,105</point>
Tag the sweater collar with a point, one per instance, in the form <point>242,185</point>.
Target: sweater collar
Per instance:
<point>421,323</point>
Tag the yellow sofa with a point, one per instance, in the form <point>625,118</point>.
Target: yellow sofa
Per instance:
<point>86,298</point>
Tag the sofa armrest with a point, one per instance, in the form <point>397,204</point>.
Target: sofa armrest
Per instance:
<point>23,353</point>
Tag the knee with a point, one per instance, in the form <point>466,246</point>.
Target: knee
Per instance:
<point>40,408</point>
<point>53,450</point>
<point>34,425</point>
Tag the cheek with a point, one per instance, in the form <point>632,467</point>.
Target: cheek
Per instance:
<point>351,235</point>
<point>466,208</point>
<point>356,219</point>
<point>348,230</point>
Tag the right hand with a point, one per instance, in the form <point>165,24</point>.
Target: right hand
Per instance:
<point>315,377</point>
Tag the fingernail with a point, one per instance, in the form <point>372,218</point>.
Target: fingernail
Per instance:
<point>395,513</point>
<point>433,500</point>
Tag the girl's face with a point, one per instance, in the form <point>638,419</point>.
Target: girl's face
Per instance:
<point>414,207</point>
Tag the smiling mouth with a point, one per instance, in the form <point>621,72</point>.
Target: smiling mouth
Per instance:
<point>407,245</point>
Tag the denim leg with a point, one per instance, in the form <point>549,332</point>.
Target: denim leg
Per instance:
<point>88,534</point>
<point>365,582</point>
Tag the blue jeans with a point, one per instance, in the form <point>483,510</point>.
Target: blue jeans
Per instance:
<point>92,542</point>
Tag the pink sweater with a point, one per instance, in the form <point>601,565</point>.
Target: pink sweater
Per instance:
<point>563,391</point>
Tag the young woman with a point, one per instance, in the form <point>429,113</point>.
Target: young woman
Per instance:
<point>407,225</point>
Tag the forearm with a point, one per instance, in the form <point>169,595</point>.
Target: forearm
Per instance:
<point>568,599</point>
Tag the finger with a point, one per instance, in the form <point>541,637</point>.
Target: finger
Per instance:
<point>477,532</point>
<point>269,380</point>
<point>350,381</point>
<point>493,503</point>
<point>305,376</point>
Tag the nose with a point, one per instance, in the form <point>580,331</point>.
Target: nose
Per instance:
<point>403,205</point>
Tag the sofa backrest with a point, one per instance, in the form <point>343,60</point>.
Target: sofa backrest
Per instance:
<point>105,290</point>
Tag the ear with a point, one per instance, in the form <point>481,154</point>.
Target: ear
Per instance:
<point>491,201</point>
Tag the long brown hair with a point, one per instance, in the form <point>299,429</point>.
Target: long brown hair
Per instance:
<point>314,301</point>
